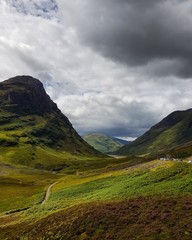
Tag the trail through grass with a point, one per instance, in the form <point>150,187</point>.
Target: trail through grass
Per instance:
<point>48,192</point>
<point>151,179</point>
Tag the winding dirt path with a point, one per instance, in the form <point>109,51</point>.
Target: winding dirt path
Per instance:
<point>48,192</point>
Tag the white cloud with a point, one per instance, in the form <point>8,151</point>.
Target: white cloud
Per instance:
<point>97,94</point>
<point>127,138</point>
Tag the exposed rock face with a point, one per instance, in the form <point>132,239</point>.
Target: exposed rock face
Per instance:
<point>25,94</point>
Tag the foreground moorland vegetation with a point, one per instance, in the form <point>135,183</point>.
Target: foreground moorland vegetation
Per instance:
<point>151,200</point>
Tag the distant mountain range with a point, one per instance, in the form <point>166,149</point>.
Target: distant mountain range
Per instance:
<point>122,141</point>
<point>33,131</point>
<point>104,143</point>
<point>171,135</point>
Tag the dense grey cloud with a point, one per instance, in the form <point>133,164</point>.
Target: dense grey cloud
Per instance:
<point>138,32</point>
<point>115,67</point>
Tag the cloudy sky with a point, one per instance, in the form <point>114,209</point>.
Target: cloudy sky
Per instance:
<point>112,66</point>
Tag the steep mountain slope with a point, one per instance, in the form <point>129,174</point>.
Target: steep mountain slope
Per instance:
<point>103,143</point>
<point>173,132</point>
<point>33,131</point>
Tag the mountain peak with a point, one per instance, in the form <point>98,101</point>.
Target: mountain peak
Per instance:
<point>23,79</point>
<point>173,118</point>
<point>25,94</point>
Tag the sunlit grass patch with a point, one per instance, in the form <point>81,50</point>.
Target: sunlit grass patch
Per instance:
<point>167,180</point>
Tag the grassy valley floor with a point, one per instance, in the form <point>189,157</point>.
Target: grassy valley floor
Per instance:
<point>151,200</point>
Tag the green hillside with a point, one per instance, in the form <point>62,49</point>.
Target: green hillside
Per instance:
<point>103,143</point>
<point>144,201</point>
<point>33,131</point>
<point>172,135</point>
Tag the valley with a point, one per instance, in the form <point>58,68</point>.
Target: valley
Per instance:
<point>54,185</point>
<point>95,120</point>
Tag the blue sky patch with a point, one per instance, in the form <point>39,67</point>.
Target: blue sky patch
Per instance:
<point>40,8</point>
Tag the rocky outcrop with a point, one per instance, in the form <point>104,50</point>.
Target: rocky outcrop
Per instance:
<point>25,94</point>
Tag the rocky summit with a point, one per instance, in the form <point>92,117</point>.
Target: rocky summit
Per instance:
<point>25,94</point>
